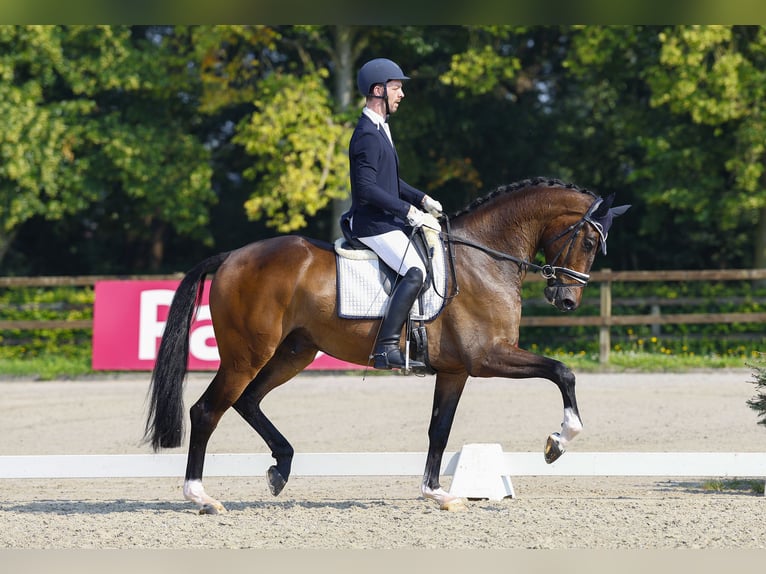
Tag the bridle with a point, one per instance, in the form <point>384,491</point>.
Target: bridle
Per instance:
<point>549,271</point>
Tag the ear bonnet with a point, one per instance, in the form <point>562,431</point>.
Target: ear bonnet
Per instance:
<point>601,215</point>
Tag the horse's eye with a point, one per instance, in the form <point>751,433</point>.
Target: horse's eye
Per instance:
<point>588,244</point>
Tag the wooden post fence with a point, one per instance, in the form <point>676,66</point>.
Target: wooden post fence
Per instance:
<point>604,321</point>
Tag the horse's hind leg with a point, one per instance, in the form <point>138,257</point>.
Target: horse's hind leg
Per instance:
<point>205,415</point>
<point>289,360</point>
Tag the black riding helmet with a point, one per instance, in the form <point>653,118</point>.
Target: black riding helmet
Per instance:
<point>378,71</point>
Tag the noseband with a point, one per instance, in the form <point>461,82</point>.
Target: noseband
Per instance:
<point>551,272</point>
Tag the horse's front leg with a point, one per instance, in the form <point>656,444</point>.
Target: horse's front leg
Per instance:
<point>511,362</point>
<point>447,394</point>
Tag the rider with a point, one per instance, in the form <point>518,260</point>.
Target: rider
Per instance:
<point>384,208</point>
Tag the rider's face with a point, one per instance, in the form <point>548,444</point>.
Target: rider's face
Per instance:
<point>395,93</point>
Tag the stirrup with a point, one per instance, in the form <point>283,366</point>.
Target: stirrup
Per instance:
<point>393,358</point>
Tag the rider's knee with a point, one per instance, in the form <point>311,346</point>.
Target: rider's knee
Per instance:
<point>415,274</point>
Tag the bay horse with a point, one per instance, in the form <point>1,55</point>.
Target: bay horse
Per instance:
<point>273,305</point>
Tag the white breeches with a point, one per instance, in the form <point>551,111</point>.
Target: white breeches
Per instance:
<point>395,249</point>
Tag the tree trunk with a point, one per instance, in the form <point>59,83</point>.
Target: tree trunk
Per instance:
<point>344,57</point>
<point>759,257</point>
<point>6,239</point>
<point>157,247</point>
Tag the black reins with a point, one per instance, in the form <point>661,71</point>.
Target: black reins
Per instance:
<point>548,271</point>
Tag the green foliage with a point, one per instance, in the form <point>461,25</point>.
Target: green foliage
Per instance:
<point>97,117</point>
<point>714,77</point>
<point>758,402</point>
<point>39,171</point>
<point>48,366</point>
<point>230,63</point>
<point>480,70</point>
<point>700,73</point>
<point>643,361</point>
<point>299,151</point>
<point>723,485</point>
<point>50,353</point>
<point>681,107</point>
<point>59,303</point>
<point>123,139</point>
<point>683,344</point>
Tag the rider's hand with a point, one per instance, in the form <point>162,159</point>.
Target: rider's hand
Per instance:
<point>415,216</point>
<point>432,206</point>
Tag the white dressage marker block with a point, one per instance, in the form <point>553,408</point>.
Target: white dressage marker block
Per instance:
<point>481,473</point>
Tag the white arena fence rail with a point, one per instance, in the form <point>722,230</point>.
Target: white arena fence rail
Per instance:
<point>478,470</point>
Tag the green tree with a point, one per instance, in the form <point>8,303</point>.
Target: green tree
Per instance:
<point>715,77</point>
<point>102,127</point>
<point>482,113</point>
<point>299,151</point>
<point>635,102</point>
<point>543,111</point>
<point>293,130</point>
<point>668,117</point>
<point>40,171</point>
<point>605,118</point>
<point>124,140</point>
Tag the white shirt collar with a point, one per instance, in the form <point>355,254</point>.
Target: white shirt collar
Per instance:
<point>376,118</point>
<point>379,121</point>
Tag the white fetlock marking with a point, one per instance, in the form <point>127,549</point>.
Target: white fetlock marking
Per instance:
<point>444,499</point>
<point>439,495</point>
<point>570,428</point>
<point>194,491</point>
<point>208,505</point>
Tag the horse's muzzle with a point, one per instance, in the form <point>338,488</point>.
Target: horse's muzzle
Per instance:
<point>563,298</point>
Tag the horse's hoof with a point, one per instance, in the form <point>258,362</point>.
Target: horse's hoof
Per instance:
<point>454,505</point>
<point>212,509</point>
<point>553,448</point>
<point>276,480</point>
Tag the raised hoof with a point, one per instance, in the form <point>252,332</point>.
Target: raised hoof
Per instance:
<point>276,480</point>
<point>212,509</point>
<point>454,505</point>
<point>553,448</point>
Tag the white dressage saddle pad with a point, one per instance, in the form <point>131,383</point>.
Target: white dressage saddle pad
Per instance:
<point>361,287</point>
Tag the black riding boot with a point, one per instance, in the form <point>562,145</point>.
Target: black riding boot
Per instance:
<point>387,354</point>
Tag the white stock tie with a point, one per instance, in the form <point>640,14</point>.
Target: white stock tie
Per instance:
<point>388,133</point>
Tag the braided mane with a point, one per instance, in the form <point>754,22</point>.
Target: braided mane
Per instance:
<point>519,185</point>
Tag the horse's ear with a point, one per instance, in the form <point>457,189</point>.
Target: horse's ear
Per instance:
<point>602,218</point>
<point>620,209</point>
<point>603,207</point>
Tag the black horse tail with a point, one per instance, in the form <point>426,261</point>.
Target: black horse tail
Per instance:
<point>164,424</point>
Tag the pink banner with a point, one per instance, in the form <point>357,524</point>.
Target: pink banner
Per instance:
<point>129,319</point>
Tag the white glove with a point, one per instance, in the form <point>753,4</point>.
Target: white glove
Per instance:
<point>415,217</point>
<point>432,206</point>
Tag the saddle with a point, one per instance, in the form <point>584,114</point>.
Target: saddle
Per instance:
<point>365,282</point>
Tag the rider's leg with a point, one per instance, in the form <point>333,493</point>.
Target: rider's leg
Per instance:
<point>395,250</point>
<point>387,354</point>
